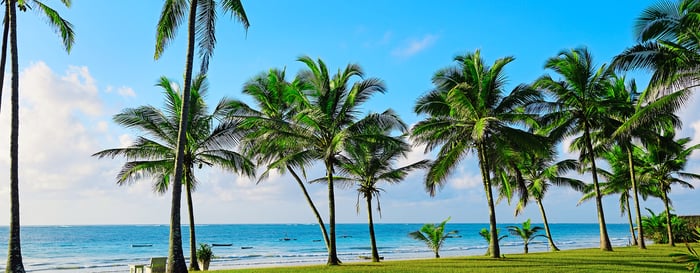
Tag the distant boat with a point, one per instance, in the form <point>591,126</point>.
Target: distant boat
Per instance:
<point>346,236</point>
<point>141,245</point>
<point>221,244</point>
<point>246,247</point>
<point>369,257</point>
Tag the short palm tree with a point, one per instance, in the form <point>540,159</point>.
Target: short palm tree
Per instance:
<point>663,164</point>
<point>201,24</point>
<point>274,115</point>
<point>691,258</point>
<point>65,29</point>
<point>486,234</point>
<point>526,232</point>
<point>578,109</point>
<point>433,235</point>
<point>468,111</point>
<point>368,163</point>
<point>153,154</point>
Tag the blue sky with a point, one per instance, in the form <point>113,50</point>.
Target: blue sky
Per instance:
<point>68,100</point>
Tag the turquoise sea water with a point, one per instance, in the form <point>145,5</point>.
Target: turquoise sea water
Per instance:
<point>64,249</point>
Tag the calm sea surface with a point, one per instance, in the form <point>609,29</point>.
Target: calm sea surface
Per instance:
<point>63,249</point>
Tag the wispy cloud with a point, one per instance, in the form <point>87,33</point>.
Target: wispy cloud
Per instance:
<point>414,46</point>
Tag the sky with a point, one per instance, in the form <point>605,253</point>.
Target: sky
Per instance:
<point>68,100</point>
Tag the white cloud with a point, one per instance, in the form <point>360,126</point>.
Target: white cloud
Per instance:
<point>126,92</point>
<point>415,46</point>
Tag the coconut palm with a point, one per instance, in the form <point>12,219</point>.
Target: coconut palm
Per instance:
<point>328,118</point>
<point>526,232</point>
<point>468,111</point>
<point>201,23</point>
<point>578,109</point>
<point>433,235</point>
<point>537,174</point>
<point>486,234</point>
<point>691,259</point>
<point>65,29</point>
<point>274,115</point>
<point>209,144</point>
<point>368,163</point>
<point>663,165</point>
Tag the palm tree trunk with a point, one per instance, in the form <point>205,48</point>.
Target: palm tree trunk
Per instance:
<point>194,265</point>
<point>313,207</point>
<point>629,220</point>
<point>493,244</point>
<point>525,247</point>
<point>332,253</point>
<point>176,258</point>
<point>552,246</point>
<point>3,54</point>
<point>669,229</point>
<point>604,239</point>
<point>372,239</point>
<point>633,178</point>
<point>14,250</point>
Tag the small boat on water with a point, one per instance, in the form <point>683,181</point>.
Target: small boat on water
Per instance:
<point>221,244</point>
<point>246,247</point>
<point>362,257</point>
<point>141,245</point>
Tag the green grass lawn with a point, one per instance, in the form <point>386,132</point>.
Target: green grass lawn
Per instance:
<point>623,259</point>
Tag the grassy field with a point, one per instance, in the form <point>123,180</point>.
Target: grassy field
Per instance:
<point>623,259</point>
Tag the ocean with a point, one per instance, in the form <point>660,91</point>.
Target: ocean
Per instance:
<point>64,249</point>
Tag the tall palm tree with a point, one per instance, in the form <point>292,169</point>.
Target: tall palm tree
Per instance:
<point>368,163</point>
<point>65,29</point>
<point>537,174</point>
<point>526,232</point>
<point>274,115</point>
<point>201,22</point>
<point>328,118</point>
<point>668,45</point>
<point>209,144</point>
<point>468,111</point>
<point>664,163</point>
<point>433,236</point>
<point>578,109</point>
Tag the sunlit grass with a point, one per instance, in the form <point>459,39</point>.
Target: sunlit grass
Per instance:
<point>622,259</point>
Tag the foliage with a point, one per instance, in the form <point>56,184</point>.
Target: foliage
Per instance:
<point>655,224</point>
<point>486,234</point>
<point>204,252</point>
<point>433,235</point>
<point>526,232</point>
<point>692,259</point>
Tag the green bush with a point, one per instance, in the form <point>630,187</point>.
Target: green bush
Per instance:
<point>655,227</point>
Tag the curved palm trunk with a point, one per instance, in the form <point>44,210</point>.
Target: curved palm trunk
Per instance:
<point>3,53</point>
<point>604,239</point>
<point>629,220</point>
<point>332,253</point>
<point>14,250</point>
<point>552,246</point>
<point>372,239</point>
<point>194,265</point>
<point>176,258</point>
<point>321,225</point>
<point>525,249</point>
<point>669,229</point>
<point>633,178</point>
<point>483,162</point>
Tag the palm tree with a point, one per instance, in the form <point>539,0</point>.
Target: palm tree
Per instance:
<point>433,235</point>
<point>668,45</point>
<point>526,232</point>
<point>369,162</point>
<point>274,115</point>
<point>578,109</point>
<point>468,111</point>
<point>486,234</point>
<point>328,118</point>
<point>202,25</point>
<point>663,165</point>
<point>209,144</point>
<point>65,29</point>
<point>537,174</point>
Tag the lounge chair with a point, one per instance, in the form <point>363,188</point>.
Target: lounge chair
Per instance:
<point>157,265</point>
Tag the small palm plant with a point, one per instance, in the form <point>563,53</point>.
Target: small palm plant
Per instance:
<point>204,256</point>
<point>433,235</point>
<point>692,259</point>
<point>486,234</point>
<point>526,232</point>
